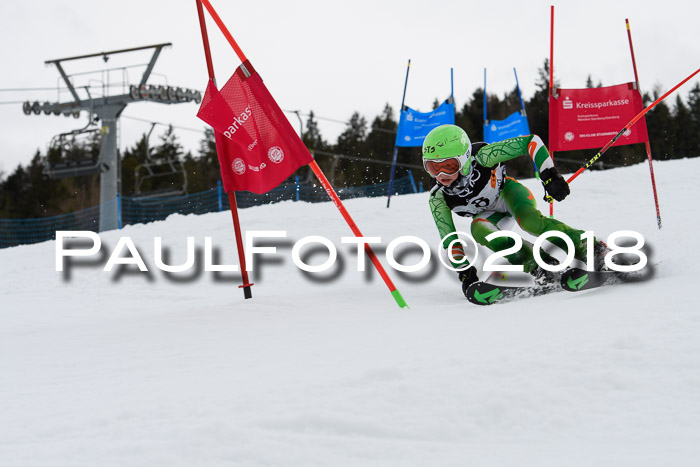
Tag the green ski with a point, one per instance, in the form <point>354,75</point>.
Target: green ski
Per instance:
<point>484,293</point>
<point>576,279</point>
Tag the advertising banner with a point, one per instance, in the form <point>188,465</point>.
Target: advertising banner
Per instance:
<point>414,126</point>
<point>514,125</point>
<point>589,118</point>
<point>257,147</point>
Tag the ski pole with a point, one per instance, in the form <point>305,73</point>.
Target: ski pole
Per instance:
<point>628,126</point>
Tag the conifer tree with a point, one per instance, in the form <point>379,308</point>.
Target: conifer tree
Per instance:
<point>351,142</point>
<point>164,162</point>
<point>538,106</point>
<point>380,145</point>
<point>206,164</point>
<point>471,116</point>
<point>312,135</point>
<point>131,159</point>
<point>659,127</point>
<point>693,124</point>
<point>682,139</point>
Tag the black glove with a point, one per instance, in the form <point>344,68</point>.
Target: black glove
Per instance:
<point>468,277</point>
<point>554,184</point>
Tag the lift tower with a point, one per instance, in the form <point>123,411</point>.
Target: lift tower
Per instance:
<point>107,110</point>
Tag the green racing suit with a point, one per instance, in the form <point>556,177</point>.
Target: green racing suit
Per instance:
<point>491,198</point>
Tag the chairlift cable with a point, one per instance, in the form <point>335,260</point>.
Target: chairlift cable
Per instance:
<point>161,123</point>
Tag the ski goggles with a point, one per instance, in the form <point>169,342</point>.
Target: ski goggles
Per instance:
<point>448,166</point>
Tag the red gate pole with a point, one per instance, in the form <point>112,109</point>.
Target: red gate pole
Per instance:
<point>346,215</point>
<point>246,286</point>
<point>551,90</point>
<point>319,174</point>
<point>648,147</point>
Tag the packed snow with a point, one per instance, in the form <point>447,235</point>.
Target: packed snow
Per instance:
<point>131,368</point>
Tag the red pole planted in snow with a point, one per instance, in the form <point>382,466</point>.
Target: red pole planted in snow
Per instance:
<point>246,286</point>
<point>551,51</point>
<point>629,125</point>
<point>646,143</point>
<point>319,174</point>
<point>634,62</point>
<point>247,293</point>
<point>551,86</point>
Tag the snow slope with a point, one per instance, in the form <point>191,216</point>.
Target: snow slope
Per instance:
<point>126,368</point>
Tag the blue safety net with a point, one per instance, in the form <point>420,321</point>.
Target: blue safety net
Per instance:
<point>143,210</point>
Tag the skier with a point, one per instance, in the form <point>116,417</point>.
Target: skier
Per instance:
<point>471,181</point>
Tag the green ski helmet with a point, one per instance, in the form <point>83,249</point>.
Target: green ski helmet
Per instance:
<point>447,149</point>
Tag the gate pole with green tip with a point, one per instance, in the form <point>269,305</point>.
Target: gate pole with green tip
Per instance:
<point>317,171</point>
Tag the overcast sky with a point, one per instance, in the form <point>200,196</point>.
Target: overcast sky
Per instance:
<point>331,57</point>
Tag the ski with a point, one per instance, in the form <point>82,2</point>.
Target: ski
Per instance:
<point>484,293</point>
<point>573,280</point>
<point>576,279</point>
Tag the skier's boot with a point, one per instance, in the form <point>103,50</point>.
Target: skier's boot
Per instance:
<point>544,277</point>
<point>600,250</point>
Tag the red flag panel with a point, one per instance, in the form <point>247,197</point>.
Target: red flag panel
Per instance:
<point>589,118</point>
<point>257,147</point>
